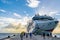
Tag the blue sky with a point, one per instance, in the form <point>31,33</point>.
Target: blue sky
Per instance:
<point>19,7</point>
<point>22,7</point>
<point>12,11</point>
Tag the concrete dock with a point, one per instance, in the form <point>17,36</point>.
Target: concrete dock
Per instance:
<point>37,37</point>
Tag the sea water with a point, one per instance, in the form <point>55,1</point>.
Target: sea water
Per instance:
<point>4,35</point>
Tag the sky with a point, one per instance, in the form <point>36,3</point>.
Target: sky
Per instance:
<point>15,11</point>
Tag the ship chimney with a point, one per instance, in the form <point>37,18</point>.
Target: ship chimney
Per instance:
<point>37,14</point>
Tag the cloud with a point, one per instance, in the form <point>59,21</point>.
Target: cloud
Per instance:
<point>5,20</point>
<point>1,10</point>
<point>8,24</point>
<point>46,11</point>
<point>14,23</point>
<point>53,13</point>
<point>57,14</point>
<point>11,23</point>
<point>2,24</point>
<point>33,3</point>
<point>17,15</point>
<point>25,19</point>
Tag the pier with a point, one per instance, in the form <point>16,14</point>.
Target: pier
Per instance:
<point>34,37</point>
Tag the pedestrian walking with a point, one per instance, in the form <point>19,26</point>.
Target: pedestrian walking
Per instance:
<point>21,35</point>
<point>44,35</point>
<point>26,35</point>
<point>30,35</point>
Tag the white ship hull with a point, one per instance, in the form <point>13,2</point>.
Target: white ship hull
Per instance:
<point>46,25</point>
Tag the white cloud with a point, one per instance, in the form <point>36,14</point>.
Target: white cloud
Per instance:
<point>8,20</point>
<point>25,20</point>
<point>59,19</point>
<point>1,10</point>
<point>33,3</point>
<point>2,24</point>
<point>17,15</point>
<point>5,21</point>
<point>53,13</point>
<point>57,14</point>
<point>46,11</point>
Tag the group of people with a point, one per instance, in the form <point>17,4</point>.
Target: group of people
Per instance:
<point>48,35</point>
<point>30,34</point>
<point>25,34</point>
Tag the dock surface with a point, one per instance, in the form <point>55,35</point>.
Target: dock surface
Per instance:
<point>37,37</point>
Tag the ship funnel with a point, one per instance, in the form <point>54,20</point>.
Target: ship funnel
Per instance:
<point>37,14</point>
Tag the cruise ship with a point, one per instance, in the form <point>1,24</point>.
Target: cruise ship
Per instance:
<point>44,23</point>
